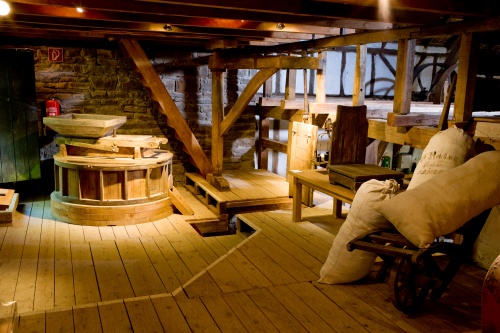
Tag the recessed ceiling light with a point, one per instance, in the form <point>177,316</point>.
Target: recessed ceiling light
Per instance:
<point>79,9</point>
<point>167,27</point>
<point>280,26</point>
<point>4,8</point>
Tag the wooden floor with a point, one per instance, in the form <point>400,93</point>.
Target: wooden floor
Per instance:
<point>164,277</point>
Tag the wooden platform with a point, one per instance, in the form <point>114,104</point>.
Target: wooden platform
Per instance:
<point>164,277</point>
<point>251,190</point>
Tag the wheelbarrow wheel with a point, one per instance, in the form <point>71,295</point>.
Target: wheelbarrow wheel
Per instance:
<point>408,284</point>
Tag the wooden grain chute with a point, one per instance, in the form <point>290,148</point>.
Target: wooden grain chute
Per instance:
<point>179,202</point>
<point>162,100</point>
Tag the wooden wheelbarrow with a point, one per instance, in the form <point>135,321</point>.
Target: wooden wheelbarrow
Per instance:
<point>414,272</point>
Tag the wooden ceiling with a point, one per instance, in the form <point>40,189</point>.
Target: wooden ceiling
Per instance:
<point>249,22</point>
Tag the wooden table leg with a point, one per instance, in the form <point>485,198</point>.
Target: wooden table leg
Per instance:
<point>337,208</point>
<point>297,201</point>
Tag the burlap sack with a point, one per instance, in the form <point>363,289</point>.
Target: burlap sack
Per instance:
<point>343,266</point>
<point>446,150</point>
<point>444,203</point>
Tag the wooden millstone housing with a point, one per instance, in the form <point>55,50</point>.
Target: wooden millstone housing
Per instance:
<point>184,185</point>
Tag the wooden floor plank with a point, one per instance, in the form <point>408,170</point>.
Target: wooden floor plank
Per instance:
<point>287,261</point>
<point>222,314</point>
<point>140,271</point>
<point>202,248</point>
<point>299,310</point>
<point>201,285</point>
<point>44,288</point>
<point>10,261</point>
<point>180,269</point>
<point>248,313</point>
<point>111,276</point>
<point>180,224</point>
<point>58,321</point>
<point>285,220</point>
<point>215,245</point>
<point>114,317</point>
<point>329,311</point>
<point>120,232</point>
<point>170,315</point>
<point>143,316</point>
<point>163,269</point>
<point>188,253</point>
<point>315,230</point>
<point>147,229</point>
<point>267,266</point>
<point>248,270</point>
<point>76,233</point>
<point>33,322</point>
<point>197,316</point>
<point>85,280</point>
<point>106,233</point>
<point>303,256</point>
<point>86,319</point>
<point>25,288</point>
<point>230,241</point>
<point>64,294</point>
<point>227,277</point>
<point>92,234</point>
<point>275,311</point>
<point>362,312</point>
<point>165,227</point>
<point>132,231</point>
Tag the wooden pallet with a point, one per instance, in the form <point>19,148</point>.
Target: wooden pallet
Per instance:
<point>251,190</point>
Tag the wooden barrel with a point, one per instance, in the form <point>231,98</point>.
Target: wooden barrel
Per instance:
<point>100,191</point>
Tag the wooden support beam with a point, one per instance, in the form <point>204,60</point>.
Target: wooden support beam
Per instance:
<point>274,145</point>
<point>358,92</point>
<point>166,106</point>
<point>217,117</point>
<point>321,80</point>
<point>245,98</point>
<point>417,136</point>
<point>413,119</point>
<point>290,85</point>
<point>260,62</point>
<point>404,76</point>
<point>466,81</point>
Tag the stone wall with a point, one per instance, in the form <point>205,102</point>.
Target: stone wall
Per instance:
<point>101,81</point>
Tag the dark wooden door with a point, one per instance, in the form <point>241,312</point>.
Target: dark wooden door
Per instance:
<point>19,150</point>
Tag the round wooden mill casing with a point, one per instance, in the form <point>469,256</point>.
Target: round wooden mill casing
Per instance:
<point>101,191</point>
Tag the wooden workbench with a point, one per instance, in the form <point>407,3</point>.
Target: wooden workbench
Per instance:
<point>318,180</point>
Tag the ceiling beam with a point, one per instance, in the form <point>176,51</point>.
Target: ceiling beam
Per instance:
<point>322,14</point>
<point>450,7</point>
<point>71,12</point>
<point>153,27</point>
<point>483,25</point>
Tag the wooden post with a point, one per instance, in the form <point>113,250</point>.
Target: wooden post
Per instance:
<point>268,88</point>
<point>404,76</point>
<point>358,91</point>
<point>291,78</point>
<point>466,81</point>
<point>217,117</point>
<point>321,80</point>
<point>297,201</point>
<point>262,157</point>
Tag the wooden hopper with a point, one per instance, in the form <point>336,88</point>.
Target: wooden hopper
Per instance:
<point>84,125</point>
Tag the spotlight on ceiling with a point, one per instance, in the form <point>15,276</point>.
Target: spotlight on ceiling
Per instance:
<point>79,9</point>
<point>167,27</point>
<point>4,8</point>
<point>280,26</point>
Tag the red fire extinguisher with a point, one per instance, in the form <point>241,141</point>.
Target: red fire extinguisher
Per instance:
<point>52,108</point>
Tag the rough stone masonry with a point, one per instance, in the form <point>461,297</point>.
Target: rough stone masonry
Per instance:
<point>101,81</point>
